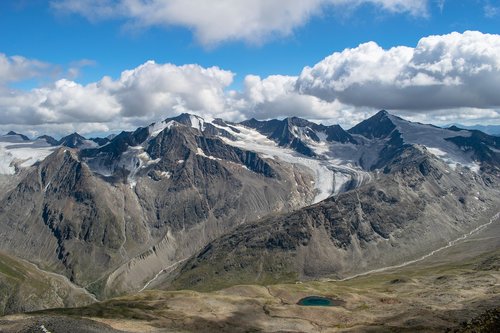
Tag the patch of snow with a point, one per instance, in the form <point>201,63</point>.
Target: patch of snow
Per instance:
<point>251,139</point>
<point>166,174</point>
<point>452,161</point>
<point>21,153</point>
<point>89,144</point>
<point>434,139</point>
<point>146,159</point>
<point>158,127</point>
<point>197,122</point>
<point>180,161</point>
<point>475,167</point>
<point>200,152</point>
<point>332,171</point>
<point>436,151</point>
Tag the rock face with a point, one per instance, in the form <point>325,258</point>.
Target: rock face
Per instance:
<point>50,140</point>
<point>113,215</point>
<point>73,140</point>
<point>296,133</point>
<point>415,205</point>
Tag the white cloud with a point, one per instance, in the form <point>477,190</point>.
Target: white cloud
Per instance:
<point>17,68</point>
<point>156,89</point>
<point>442,72</point>
<point>444,79</point>
<point>147,93</point>
<point>213,22</point>
<point>275,96</point>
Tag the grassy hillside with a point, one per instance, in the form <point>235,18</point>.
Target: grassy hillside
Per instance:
<point>23,288</point>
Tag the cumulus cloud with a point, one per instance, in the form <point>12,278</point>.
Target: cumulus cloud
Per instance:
<point>276,97</point>
<point>213,22</point>
<point>441,72</point>
<point>444,79</point>
<point>146,93</point>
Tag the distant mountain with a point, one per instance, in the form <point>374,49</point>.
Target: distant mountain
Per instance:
<point>100,141</point>
<point>228,199</point>
<point>22,136</point>
<point>50,140</point>
<point>298,133</point>
<point>143,201</point>
<point>430,190</point>
<point>488,129</point>
<point>75,140</point>
<point>379,126</point>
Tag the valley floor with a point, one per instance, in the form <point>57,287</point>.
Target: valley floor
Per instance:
<point>436,294</point>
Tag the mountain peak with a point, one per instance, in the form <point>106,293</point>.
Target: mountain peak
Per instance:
<point>380,125</point>
<point>189,120</point>
<point>50,140</point>
<point>74,140</point>
<point>22,136</point>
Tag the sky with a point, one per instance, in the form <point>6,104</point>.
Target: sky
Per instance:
<point>97,66</point>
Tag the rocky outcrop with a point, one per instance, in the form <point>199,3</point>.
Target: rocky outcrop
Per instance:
<point>114,233</point>
<point>416,206</point>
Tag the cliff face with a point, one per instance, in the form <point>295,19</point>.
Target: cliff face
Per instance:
<point>417,205</point>
<point>113,231</point>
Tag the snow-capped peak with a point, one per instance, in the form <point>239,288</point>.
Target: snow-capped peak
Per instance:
<point>197,122</point>
<point>158,127</point>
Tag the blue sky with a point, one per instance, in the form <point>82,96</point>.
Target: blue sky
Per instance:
<point>84,43</point>
<point>34,29</point>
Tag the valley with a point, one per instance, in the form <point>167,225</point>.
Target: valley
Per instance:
<point>443,291</point>
<point>192,223</point>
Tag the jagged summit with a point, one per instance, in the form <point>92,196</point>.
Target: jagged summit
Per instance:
<point>21,136</point>
<point>73,140</point>
<point>189,120</point>
<point>50,140</point>
<point>377,126</point>
<point>298,133</point>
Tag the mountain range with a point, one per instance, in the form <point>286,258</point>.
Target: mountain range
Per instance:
<point>192,203</point>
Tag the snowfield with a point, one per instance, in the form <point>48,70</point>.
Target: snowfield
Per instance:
<point>434,139</point>
<point>16,152</point>
<point>331,174</point>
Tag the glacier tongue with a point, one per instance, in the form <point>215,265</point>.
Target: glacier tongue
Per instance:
<point>331,174</point>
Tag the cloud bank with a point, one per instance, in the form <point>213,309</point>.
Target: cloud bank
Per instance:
<point>441,72</point>
<point>444,79</point>
<point>213,22</point>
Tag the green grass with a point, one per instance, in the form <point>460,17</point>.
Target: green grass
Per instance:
<point>11,269</point>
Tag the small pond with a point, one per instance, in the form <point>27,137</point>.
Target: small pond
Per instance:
<point>320,301</point>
